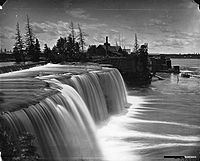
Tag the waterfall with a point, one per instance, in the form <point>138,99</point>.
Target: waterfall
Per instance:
<point>64,123</point>
<point>114,90</point>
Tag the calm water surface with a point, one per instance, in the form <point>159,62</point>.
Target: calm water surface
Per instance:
<point>163,119</point>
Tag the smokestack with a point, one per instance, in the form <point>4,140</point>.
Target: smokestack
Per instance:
<point>106,43</point>
<point>106,39</point>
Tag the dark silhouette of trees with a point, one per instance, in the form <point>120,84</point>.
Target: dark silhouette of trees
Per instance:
<point>17,54</point>
<point>67,48</point>
<point>70,46</point>
<point>72,32</point>
<point>30,42</point>
<point>92,51</point>
<point>136,45</point>
<point>48,54</point>
<point>77,48</point>
<point>37,50</point>
<point>55,55</point>
<point>81,38</point>
<point>61,45</point>
<point>28,49</point>
<point>29,33</point>
<point>19,45</point>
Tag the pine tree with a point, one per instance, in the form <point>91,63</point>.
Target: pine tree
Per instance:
<point>61,45</point>
<point>55,54</point>
<point>17,54</point>
<point>30,43</point>
<point>70,46</point>
<point>47,53</point>
<point>29,33</point>
<point>77,47</point>
<point>81,38</point>
<point>19,45</point>
<point>37,50</point>
<point>72,32</point>
<point>136,45</point>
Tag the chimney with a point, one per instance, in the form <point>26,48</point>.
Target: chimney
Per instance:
<point>106,43</point>
<point>106,39</point>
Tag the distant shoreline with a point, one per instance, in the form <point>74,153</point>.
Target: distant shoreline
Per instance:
<point>178,56</point>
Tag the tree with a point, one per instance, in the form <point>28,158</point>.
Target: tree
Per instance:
<point>77,48</point>
<point>30,40</point>
<point>19,45</point>
<point>56,57</point>
<point>70,46</point>
<point>72,32</point>
<point>136,45</point>
<point>51,55</point>
<point>92,51</point>
<point>17,54</point>
<point>61,45</point>
<point>47,53</point>
<point>81,38</point>
<point>37,50</point>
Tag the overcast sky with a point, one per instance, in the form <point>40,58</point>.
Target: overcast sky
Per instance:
<point>168,26</point>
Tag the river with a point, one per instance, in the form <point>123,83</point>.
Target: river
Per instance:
<point>163,120</point>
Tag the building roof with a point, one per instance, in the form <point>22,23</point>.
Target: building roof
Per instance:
<point>112,49</point>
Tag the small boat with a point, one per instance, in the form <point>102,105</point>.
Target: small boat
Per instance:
<point>185,75</point>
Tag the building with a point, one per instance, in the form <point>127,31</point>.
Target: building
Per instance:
<point>160,63</point>
<point>108,50</point>
<point>127,50</point>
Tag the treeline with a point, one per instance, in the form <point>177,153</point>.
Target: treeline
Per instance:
<point>6,55</point>
<point>181,56</point>
<point>28,49</point>
<point>70,48</point>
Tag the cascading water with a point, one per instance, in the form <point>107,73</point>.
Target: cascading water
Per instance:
<point>114,90</point>
<point>90,90</point>
<point>63,122</point>
<point>62,125</point>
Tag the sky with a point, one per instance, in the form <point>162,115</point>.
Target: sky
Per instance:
<point>168,26</point>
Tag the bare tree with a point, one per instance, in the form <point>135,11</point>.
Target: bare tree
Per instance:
<point>72,32</point>
<point>81,38</point>
<point>136,45</point>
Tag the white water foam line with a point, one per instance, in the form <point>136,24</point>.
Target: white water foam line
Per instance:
<point>165,145</point>
<point>136,108</point>
<point>165,122</point>
<point>117,129</point>
<point>113,140</point>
